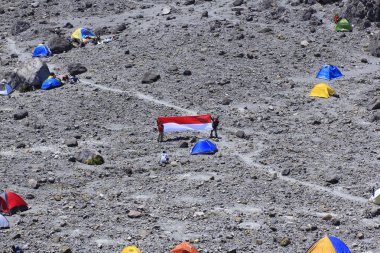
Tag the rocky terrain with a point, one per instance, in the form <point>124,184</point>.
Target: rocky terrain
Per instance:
<point>290,168</point>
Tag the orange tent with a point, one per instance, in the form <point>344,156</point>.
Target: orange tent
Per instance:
<point>184,247</point>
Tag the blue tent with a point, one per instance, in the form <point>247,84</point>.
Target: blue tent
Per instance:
<point>7,90</point>
<point>329,244</point>
<point>3,222</point>
<point>329,72</point>
<point>50,83</point>
<point>41,51</point>
<point>204,147</point>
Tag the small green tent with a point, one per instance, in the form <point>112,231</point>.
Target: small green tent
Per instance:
<point>343,26</point>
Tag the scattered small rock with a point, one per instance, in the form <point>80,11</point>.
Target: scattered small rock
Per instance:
<point>19,27</point>
<point>285,242</point>
<point>240,134</point>
<point>333,179</point>
<point>76,69</point>
<point>65,249</point>
<point>226,101</point>
<point>237,2</point>
<point>20,115</point>
<point>32,183</point>
<point>184,145</point>
<point>134,214</point>
<point>89,157</point>
<point>150,78</point>
<point>72,142</point>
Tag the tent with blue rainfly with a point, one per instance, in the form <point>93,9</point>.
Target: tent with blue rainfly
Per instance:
<point>204,146</point>
<point>83,33</point>
<point>6,89</point>
<point>50,83</point>
<point>329,72</point>
<point>4,223</point>
<point>41,51</point>
<point>329,244</point>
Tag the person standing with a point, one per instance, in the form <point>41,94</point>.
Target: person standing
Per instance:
<point>215,124</point>
<point>160,127</point>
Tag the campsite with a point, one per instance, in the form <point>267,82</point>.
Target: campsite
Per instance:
<point>292,168</point>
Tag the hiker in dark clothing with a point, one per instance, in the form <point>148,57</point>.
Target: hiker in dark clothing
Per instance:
<point>215,124</point>
<point>160,127</point>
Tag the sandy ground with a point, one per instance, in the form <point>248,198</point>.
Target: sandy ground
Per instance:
<point>235,199</point>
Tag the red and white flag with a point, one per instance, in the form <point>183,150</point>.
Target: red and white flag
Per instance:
<point>186,123</point>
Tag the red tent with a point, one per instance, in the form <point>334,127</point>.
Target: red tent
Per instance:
<point>12,203</point>
<point>184,247</point>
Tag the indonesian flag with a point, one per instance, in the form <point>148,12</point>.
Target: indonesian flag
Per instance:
<point>186,123</point>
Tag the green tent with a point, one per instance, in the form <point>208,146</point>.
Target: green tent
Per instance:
<point>343,26</point>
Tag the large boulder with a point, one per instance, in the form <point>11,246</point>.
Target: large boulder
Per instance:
<point>59,45</point>
<point>374,104</point>
<point>327,1</point>
<point>19,27</point>
<point>360,12</point>
<point>374,45</point>
<point>30,74</point>
<point>89,157</point>
<point>76,69</point>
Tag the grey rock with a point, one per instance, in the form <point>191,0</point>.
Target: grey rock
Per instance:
<point>134,214</point>
<point>150,78</point>
<point>265,30</point>
<point>89,157</point>
<point>327,217</point>
<point>285,172</point>
<point>189,2</point>
<point>72,142</point>
<point>205,14</point>
<point>68,25</point>
<point>374,104</point>
<point>20,145</point>
<point>32,183</point>
<point>240,134</point>
<point>327,1</point>
<point>19,27</point>
<point>285,242</point>
<point>187,73</point>
<point>333,179</point>
<point>184,145</point>
<point>335,221</point>
<point>120,28</point>
<point>226,101</point>
<point>375,211</point>
<point>20,115</point>
<point>31,74</point>
<point>76,69</point>
<point>232,251</point>
<point>29,196</point>
<point>237,2</point>
<point>65,249</point>
<point>59,45</point>
<point>307,14</point>
<point>374,45</point>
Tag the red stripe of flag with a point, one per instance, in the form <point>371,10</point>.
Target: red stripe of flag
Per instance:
<point>199,119</point>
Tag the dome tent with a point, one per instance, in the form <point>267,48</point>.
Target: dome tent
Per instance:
<point>130,249</point>
<point>41,51</point>
<point>83,33</point>
<point>50,83</point>
<point>204,146</point>
<point>329,244</point>
<point>184,247</point>
<point>4,223</point>
<point>11,203</point>
<point>343,26</point>
<point>322,90</point>
<point>329,72</point>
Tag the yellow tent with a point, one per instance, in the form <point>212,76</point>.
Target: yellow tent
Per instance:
<point>321,90</point>
<point>81,34</point>
<point>130,249</point>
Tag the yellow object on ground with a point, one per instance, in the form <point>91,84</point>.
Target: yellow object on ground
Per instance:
<point>321,90</point>
<point>131,249</point>
<point>322,246</point>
